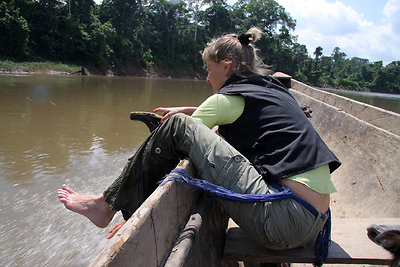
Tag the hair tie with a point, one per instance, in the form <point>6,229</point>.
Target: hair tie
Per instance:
<point>245,38</point>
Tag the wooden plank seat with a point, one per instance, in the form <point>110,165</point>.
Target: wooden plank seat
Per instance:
<point>350,245</point>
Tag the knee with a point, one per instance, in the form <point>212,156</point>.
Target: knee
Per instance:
<point>180,117</point>
<point>174,127</point>
<point>181,120</point>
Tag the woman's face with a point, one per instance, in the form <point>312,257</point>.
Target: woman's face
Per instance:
<point>218,73</point>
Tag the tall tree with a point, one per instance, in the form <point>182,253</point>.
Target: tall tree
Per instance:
<point>267,15</point>
<point>14,31</point>
<point>165,30</point>
<point>338,55</point>
<point>217,19</point>
<point>318,52</point>
<point>194,8</point>
<point>126,18</point>
<point>388,78</point>
<point>44,22</point>
<point>82,10</point>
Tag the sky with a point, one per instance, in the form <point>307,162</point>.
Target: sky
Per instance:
<point>367,29</point>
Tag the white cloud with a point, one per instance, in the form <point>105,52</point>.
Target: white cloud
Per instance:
<point>330,25</point>
<point>392,12</point>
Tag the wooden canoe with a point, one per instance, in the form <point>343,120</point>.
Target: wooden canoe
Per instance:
<point>177,226</point>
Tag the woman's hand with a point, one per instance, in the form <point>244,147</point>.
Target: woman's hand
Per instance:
<point>168,112</point>
<point>115,229</point>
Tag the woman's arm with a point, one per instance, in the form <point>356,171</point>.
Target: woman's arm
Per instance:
<point>168,112</point>
<point>217,109</point>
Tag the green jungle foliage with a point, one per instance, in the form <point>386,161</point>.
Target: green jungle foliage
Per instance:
<point>119,35</point>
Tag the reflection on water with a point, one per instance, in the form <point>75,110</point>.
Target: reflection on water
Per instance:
<point>389,102</point>
<point>74,130</point>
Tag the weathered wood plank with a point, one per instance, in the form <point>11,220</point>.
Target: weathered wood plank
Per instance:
<point>350,244</point>
<point>201,241</point>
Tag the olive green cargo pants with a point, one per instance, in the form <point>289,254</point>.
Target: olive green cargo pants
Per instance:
<point>278,225</point>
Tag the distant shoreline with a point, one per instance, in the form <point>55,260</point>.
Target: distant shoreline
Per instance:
<point>56,68</point>
<point>47,67</point>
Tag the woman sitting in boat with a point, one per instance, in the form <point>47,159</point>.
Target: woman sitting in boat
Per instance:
<point>269,145</point>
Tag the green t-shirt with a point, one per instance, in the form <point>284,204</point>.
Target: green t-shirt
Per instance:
<point>220,109</point>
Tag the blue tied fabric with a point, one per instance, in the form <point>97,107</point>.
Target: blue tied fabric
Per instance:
<point>180,176</point>
<point>323,240</point>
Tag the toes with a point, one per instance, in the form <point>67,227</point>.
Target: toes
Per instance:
<point>63,196</point>
<point>62,193</point>
<point>66,188</point>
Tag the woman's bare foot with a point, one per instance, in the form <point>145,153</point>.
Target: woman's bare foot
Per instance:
<point>93,207</point>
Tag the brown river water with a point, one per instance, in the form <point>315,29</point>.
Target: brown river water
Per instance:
<point>74,130</point>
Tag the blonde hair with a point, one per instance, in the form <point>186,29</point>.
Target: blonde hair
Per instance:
<point>239,49</point>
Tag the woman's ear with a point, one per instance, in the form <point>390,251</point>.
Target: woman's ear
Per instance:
<point>228,67</point>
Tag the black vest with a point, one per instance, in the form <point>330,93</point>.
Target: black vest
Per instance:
<point>273,132</point>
